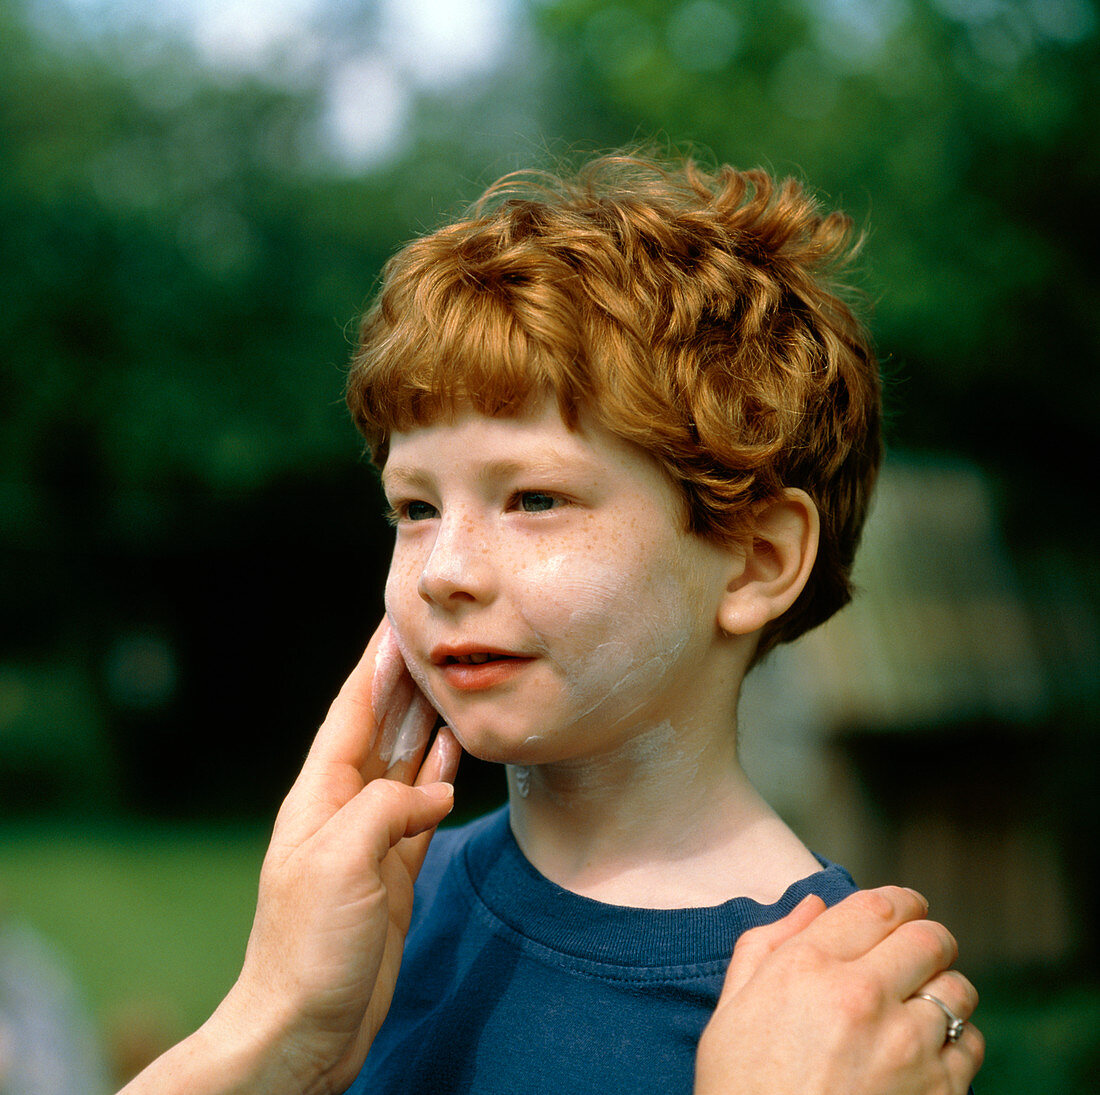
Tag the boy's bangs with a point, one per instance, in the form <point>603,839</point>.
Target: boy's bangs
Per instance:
<point>476,354</point>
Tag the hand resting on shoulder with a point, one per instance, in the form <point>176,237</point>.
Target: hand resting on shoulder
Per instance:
<point>824,1002</point>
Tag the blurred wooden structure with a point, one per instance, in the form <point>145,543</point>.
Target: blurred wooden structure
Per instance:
<point>904,738</point>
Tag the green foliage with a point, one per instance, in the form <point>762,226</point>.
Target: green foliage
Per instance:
<point>176,282</point>
<point>176,279</point>
<point>54,753</point>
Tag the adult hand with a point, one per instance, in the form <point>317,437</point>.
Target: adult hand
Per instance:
<point>824,1002</point>
<point>335,897</point>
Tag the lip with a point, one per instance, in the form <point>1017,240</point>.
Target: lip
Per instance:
<point>446,653</point>
<point>503,666</point>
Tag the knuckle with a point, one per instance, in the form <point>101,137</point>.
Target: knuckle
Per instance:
<point>880,904</point>
<point>759,940</point>
<point>862,998</point>
<point>385,794</point>
<point>950,945</point>
<point>934,938</point>
<point>907,1047</point>
<point>805,959</point>
<point>967,993</point>
<point>750,942</point>
<point>753,937</point>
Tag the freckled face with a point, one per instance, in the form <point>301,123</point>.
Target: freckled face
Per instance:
<point>542,589</point>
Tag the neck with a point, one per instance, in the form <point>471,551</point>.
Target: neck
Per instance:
<point>669,820</point>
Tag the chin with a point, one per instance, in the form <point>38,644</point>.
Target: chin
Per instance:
<point>499,748</point>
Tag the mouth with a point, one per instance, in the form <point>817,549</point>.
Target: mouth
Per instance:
<point>471,655</point>
<point>473,669</point>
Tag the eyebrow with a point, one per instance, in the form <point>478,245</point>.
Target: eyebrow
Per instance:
<point>545,463</point>
<point>407,478</point>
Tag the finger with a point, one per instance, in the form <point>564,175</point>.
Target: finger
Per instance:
<point>379,719</point>
<point>406,737</point>
<point>348,733</point>
<point>441,764</point>
<point>962,1057</point>
<point>955,990</point>
<point>392,696</point>
<point>386,812</point>
<point>409,811</point>
<point>406,716</point>
<point>755,945</point>
<point>864,919</point>
<point>913,954</point>
<point>337,764</point>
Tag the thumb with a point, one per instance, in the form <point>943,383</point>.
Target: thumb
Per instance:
<point>386,811</point>
<point>755,945</point>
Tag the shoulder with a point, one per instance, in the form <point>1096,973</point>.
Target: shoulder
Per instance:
<point>832,884</point>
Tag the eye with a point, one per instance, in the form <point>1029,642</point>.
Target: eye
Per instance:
<point>415,510</point>
<point>536,501</point>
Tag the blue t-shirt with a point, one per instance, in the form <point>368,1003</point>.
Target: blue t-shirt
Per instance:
<point>511,984</point>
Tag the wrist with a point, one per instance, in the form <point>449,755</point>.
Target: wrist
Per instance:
<point>209,1063</point>
<point>235,1052</point>
<point>259,1049</point>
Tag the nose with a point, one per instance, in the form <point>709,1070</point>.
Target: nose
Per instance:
<point>457,569</point>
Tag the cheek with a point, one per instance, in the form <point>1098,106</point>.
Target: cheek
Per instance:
<point>559,594</point>
<point>615,629</point>
<point>401,590</point>
<point>583,600</point>
<point>401,598</point>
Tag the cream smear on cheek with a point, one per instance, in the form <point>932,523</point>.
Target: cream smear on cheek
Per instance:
<point>404,718</point>
<point>404,652</point>
<point>570,615</point>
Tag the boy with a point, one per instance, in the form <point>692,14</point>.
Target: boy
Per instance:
<point>628,436</point>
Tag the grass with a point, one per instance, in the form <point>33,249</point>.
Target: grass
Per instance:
<point>146,916</point>
<point>155,917</point>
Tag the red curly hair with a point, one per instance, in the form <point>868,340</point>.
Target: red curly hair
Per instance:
<point>691,313</point>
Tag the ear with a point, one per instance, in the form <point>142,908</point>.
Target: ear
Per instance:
<point>773,564</point>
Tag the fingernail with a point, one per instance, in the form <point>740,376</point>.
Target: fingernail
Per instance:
<point>439,790</point>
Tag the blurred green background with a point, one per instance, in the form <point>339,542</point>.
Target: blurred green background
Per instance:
<point>195,203</point>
